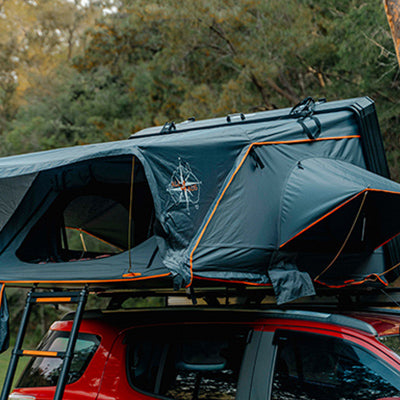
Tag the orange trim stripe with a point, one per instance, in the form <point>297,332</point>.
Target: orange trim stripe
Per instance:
<point>213,212</point>
<point>38,353</point>
<point>53,300</point>
<point>237,170</point>
<point>337,208</point>
<point>131,274</point>
<point>387,241</point>
<point>3,286</point>
<point>94,236</point>
<point>353,282</point>
<point>382,190</point>
<point>381,280</point>
<point>323,217</point>
<point>305,140</point>
<point>94,281</point>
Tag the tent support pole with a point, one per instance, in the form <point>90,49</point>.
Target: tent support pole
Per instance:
<point>130,214</point>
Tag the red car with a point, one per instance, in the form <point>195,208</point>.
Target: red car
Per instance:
<point>201,353</point>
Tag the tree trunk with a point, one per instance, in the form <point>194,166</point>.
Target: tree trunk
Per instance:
<point>392,8</point>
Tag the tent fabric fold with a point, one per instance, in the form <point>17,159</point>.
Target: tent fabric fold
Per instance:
<point>288,282</point>
<point>255,202</point>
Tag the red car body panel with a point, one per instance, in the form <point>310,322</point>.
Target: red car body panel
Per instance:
<point>105,377</point>
<point>363,339</point>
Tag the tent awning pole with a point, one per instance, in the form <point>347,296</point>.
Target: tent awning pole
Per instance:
<point>130,215</point>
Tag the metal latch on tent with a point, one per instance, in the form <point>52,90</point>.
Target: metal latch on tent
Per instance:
<point>230,117</point>
<point>257,157</point>
<point>304,111</point>
<point>168,127</point>
<point>40,298</point>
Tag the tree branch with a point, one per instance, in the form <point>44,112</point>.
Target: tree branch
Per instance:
<point>260,87</point>
<point>281,91</point>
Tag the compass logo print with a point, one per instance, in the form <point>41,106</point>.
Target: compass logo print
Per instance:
<point>184,187</point>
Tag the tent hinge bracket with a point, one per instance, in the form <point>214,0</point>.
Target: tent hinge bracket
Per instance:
<point>191,295</point>
<point>254,152</point>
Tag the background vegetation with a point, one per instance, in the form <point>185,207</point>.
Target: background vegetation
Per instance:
<point>74,72</point>
<point>83,71</point>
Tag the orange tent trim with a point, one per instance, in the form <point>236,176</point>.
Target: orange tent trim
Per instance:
<point>235,173</point>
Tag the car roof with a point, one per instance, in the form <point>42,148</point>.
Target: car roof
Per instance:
<point>385,322</point>
<point>376,322</point>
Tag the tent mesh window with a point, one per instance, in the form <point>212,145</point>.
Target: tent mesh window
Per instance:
<point>92,221</point>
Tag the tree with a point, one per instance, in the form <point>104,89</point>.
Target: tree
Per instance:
<point>145,63</point>
<point>35,39</point>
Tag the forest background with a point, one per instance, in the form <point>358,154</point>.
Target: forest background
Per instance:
<point>83,71</point>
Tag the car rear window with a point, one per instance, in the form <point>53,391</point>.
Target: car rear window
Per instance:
<point>187,362</point>
<point>44,371</point>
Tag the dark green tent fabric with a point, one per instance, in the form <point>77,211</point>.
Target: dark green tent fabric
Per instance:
<point>211,200</point>
<point>13,190</point>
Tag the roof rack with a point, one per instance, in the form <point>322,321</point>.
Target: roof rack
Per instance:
<point>344,298</point>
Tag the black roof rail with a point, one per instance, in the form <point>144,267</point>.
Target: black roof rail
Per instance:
<point>223,314</point>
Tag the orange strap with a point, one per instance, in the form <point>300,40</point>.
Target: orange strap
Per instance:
<point>3,286</point>
<point>390,269</point>
<point>130,215</point>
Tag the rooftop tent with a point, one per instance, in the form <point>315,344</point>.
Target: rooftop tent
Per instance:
<point>231,200</point>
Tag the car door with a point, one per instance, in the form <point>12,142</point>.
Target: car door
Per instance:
<point>311,366</point>
<point>183,361</point>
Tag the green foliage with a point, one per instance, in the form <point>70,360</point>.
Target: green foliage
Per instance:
<point>146,63</point>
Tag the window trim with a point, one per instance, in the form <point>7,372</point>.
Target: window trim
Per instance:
<point>373,351</point>
<point>48,340</point>
<point>130,345</point>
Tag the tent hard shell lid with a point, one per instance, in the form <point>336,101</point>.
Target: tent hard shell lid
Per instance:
<point>280,198</point>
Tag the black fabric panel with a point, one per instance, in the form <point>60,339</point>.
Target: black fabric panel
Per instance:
<point>364,204</point>
<point>374,154</point>
<point>11,194</point>
<point>4,317</point>
<point>100,216</point>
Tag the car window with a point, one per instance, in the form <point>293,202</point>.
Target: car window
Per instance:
<point>187,362</point>
<point>317,367</point>
<point>44,371</point>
